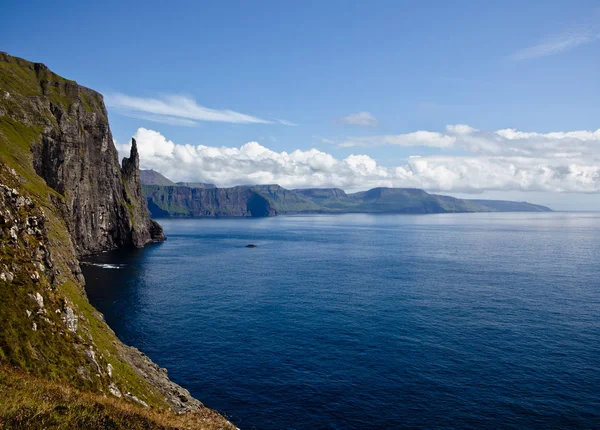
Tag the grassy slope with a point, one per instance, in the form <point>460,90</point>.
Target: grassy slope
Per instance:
<point>35,403</point>
<point>51,351</point>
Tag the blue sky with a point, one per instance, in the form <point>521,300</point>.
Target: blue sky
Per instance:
<point>408,66</point>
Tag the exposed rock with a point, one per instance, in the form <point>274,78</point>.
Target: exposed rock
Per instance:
<point>178,397</point>
<point>109,370</point>
<point>83,372</point>
<point>143,229</point>
<point>70,319</point>
<point>135,399</point>
<point>14,233</point>
<point>6,277</point>
<point>114,390</point>
<point>39,299</point>
<point>91,355</point>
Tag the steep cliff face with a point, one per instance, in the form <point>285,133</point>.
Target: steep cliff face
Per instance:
<point>143,228</point>
<point>286,201</point>
<point>180,201</point>
<point>75,155</point>
<point>62,195</point>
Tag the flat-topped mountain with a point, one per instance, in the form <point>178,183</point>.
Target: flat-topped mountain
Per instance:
<point>269,200</point>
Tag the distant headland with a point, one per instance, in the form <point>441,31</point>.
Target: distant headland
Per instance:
<point>166,198</point>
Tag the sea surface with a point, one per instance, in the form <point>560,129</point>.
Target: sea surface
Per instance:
<point>370,321</point>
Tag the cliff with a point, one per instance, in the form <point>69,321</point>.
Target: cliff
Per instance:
<point>270,200</point>
<point>63,195</point>
<point>74,153</point>
<point>181,201</point>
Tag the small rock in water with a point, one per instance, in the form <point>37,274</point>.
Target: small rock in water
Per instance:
<point>251,245</point>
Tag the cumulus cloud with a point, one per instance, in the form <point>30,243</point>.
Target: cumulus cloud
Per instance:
<point>506,160</point>
<point>363,119</point>
<point>178,110</point>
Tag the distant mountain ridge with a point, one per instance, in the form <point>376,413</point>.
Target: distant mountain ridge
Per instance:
<point>168,199</point>
<point>152,177</point>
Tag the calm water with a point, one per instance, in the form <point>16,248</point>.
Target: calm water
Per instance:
<point>360,321</point>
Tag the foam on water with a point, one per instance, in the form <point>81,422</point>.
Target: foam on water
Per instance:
<point>104,265</point>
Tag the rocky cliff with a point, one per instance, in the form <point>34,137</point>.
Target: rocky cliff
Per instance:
<point>182,201</point>
<point>74,153</point>
<point>270,200</point>
<point>63,195</point>
<point>143,228</point>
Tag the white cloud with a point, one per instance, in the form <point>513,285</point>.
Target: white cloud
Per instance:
<point>556,45</point>
<point>502,161</point>
<point>417,138</point>
<point>286,122</point>
<point>163,119</point>
<point>506,142</point>
<point>363,119</point>
<point>171,107</point>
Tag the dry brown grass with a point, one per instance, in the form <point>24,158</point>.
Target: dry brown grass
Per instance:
<point>34,403</point>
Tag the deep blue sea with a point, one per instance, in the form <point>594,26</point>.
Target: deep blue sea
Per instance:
<point>370,321</point>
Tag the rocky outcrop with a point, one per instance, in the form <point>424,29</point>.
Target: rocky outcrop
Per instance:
<point>179,398</point>
<point>143,228</point>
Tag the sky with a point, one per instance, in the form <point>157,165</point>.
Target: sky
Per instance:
<point>471,99</point>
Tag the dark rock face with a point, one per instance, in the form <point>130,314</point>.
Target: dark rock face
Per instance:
<point>180,201</point>
<point>75,155</point>
<point>143,229</point>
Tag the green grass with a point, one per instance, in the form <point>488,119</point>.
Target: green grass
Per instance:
<point>14,76</point>
<point>35,403</point>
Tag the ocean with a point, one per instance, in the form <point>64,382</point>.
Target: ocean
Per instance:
<point>370,321</point>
